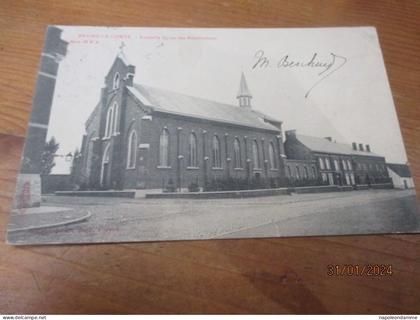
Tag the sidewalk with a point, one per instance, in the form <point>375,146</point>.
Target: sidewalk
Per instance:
<point>41,209</point>
<point>46,217</point>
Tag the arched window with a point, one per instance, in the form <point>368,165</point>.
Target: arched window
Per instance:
<point>105,161</point>
<point>108,123</point>
<point>314,175</point>
<point>256,154</point>
<point>132,150</point>
<point>217,160</point>
<point>192,151</point>
<point>237,161</point>
<point>164,148</point>
<point>111,124</point>
<point>289,172</point>
<point>115,115</point>
<point>271,156</point>
<point>116,83</point>
<point>297,172</point>
<point>112,121</point>
<point>306,173</point>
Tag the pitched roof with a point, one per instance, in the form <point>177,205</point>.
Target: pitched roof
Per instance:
<point>324,145</point>
<point>185,105</point>
<point>401,169</point>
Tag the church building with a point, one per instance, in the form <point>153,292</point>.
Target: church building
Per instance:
<point>140,136</point>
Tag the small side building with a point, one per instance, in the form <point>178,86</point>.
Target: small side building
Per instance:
<point>400,175</point>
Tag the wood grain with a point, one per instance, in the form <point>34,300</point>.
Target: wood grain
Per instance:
<point>286,275</point>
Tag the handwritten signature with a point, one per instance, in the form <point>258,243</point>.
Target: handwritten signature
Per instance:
<point>327,67</point>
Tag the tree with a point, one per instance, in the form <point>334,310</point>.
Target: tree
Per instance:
<point>75,165</point>
<point>47,158</point>
<point>75,161</point>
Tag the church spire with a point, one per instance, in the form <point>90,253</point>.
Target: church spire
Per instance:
<point>244,95</point>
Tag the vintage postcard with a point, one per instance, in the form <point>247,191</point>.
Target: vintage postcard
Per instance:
<point>150,134</point>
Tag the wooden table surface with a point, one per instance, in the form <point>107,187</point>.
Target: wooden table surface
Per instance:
<point>285,275</point>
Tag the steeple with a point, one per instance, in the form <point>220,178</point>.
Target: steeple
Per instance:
<point>244,95</point>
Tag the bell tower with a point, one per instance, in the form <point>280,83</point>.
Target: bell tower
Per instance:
<point>244,96</point>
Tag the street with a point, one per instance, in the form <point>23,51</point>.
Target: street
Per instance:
<point>125,220</point>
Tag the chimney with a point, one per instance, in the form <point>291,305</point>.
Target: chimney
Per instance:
<point>291,134</point>
<point>368,148</point>
<point>328,138</point>
<point>131,70</point>
<point>361,147</point>
<point>354,144</point>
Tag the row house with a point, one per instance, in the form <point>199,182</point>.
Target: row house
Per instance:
<point>337,163</point>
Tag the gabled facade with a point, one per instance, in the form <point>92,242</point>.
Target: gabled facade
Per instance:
<point>140,136</point>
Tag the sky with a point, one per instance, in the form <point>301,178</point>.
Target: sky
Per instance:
<point>350,99</point>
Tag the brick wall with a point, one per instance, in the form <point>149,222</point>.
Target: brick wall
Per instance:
<point>56,182</point>
<point>294,149</point>
<point>148,174</point>
<point>370,169</point>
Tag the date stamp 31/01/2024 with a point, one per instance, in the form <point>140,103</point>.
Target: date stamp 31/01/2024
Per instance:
<point>372,270</point>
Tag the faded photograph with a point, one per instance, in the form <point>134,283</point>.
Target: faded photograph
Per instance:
<point>151,134</point>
